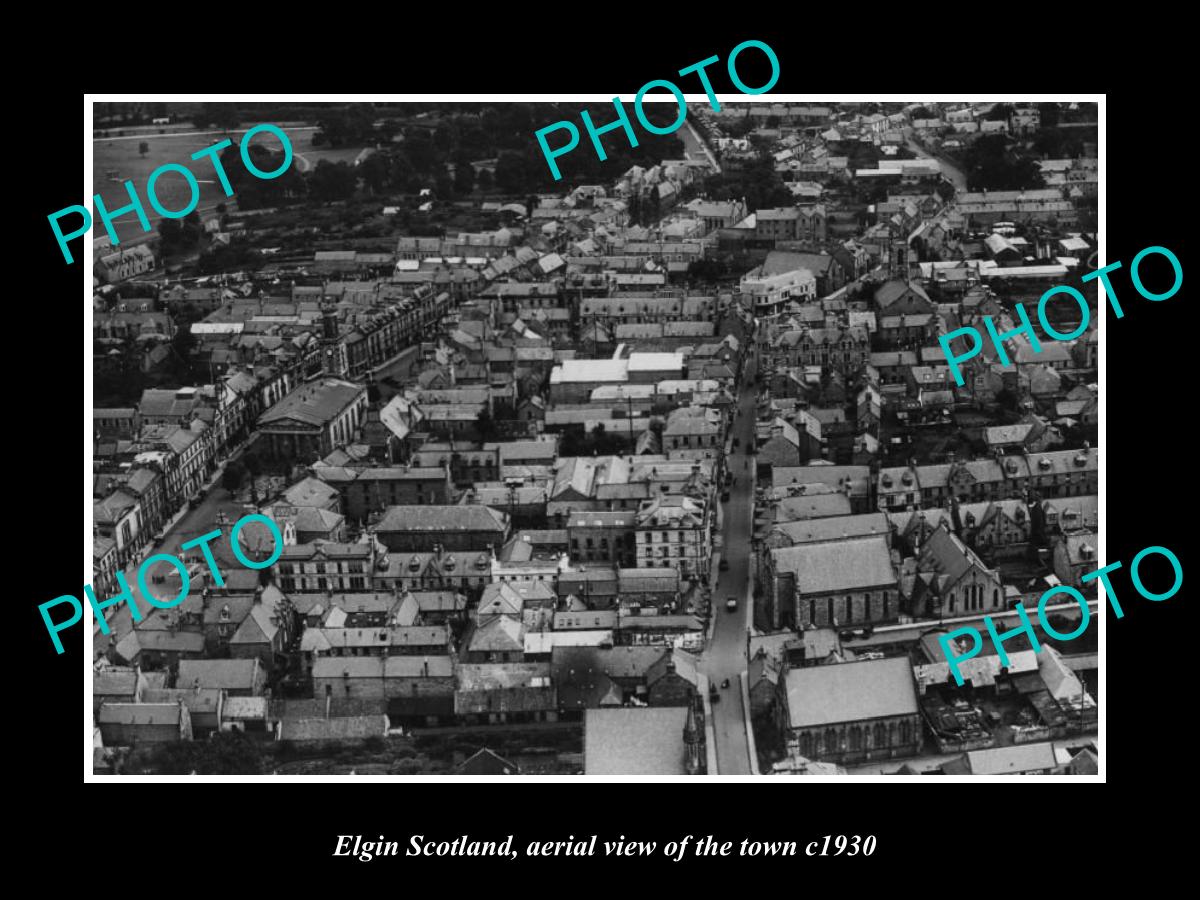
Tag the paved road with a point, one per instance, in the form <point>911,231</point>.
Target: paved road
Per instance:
<point>196,522</point>
<point>953,173</point>
<point>725,656</point>
<point>694,147</point>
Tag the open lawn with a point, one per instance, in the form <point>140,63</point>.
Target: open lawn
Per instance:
<point>121,155</point>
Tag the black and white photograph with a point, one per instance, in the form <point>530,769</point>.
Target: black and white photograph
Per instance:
<point>738,434</point>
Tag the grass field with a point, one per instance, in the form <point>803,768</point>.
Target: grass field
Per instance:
<point>121,155</point>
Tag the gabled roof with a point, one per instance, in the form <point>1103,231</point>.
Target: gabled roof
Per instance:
<point>485,762</point>
<point>850,692</point>
<point>228,674</point>
<point>435,519</point>
<point>501,634</point>
<point>839,566</point>
<point>314,404</point>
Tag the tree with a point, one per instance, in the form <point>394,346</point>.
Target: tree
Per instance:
<point>225,753</point>
<point>464,177</point>
<point>221,115</point>
<point>233,476</point>
<point>421,151</point>
<point>513,175</point>
<point>180,235</point>
<point>485,425</point>
<point>707,270</point>
<point>144,147</point>
<point>922,112</point>
<point>1001,112</point>
<point>347,126</point>
<point>374,172</point>
<point>256,193</point>
<point>252,464</point>
<point>992,165</point>
<point>757,182</point>
<point>182,345</point>
<point>331,181</point>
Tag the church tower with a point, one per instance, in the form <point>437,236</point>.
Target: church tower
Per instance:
<point>333,351</point>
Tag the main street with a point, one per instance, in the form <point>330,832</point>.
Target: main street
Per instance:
<point>953,173</point>
<point>694,146</point>
<point>725,656</point>
<point>194,523</point>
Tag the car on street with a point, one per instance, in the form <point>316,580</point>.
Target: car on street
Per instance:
<point>731,604</point>
<point>723,565</point>
<point>712,693</point>
<point>724,496</point>
<point>195,500</point>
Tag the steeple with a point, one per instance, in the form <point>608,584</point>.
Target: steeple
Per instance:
<point>691,741</point>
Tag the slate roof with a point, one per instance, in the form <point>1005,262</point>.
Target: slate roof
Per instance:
<point>314,404</point>
<point>837,566</point>
<point>635,741</point>
<point>439,519</point>
<point>850,692</point>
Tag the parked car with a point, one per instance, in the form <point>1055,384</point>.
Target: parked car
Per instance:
<point>723,565</point>
<point>731,604</point>
<point>725,496</point>
<point>195,500</point>
<point>712,693</point>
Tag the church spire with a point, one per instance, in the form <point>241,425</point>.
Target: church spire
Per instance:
<point>692,742</point>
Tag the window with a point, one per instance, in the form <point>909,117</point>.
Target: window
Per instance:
<point>831,741</point>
